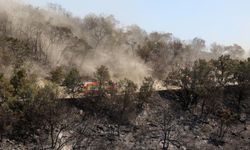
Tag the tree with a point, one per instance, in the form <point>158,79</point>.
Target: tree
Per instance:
<point>5,89</point>
<point>83,137</point>
<point>134,37</point>
<point>3,24</point>
<point>146,90</point>
<point>198,44</point>
<point>57,75</point>
<point>224,118</point>
<point>7,119</point>
<point>102,76</point>
<point>6,116</point>
<point>223,67</point>
<point>217,50</point>
<point>146,49</point>
<point>18,80</point>
<point>72,81</point>
<point>128,89</point>
<point>185,78</point>
<point>19,104</point>
<point>242,79</point>
<point>98,28</point>
<point>204,83</point>
<point>24,87</point>
<point>235,51</point>
<point>56,118</point>
<point>170,133</point>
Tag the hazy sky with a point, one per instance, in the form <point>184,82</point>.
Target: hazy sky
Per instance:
<point>223,21</point>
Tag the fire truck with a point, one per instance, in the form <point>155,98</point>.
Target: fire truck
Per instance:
<point>93,88</point>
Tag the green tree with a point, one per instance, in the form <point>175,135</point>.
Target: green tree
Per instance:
<point>48,107</point>
<point>7,119</point>
<point>146,90</point>
<point>196,83</point>
<point>242,78</point>
<point>185,78</point>
<point>57,75</point>
<point>5,113</point>
<point>128,89</point>
<point>56,118</point>
<point>18,80</point>
<point>5,89</point>
<point>102,76</point>
<point>24,85</point>
<point>204,83</point>
<point>72,81</point>
<point>19,105</point>
<point>223,69</point>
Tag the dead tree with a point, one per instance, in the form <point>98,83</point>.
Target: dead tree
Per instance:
<point>169,130</point>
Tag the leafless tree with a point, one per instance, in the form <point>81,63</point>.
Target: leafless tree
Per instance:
<point>224,120</point>
<point>98,27</point>
<point>170,131</point>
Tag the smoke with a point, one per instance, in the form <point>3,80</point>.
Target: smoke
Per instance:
<point>64,40</point>
<point>59,39</point>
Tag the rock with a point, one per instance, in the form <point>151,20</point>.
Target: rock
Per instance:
<point>9,141</point>
<point>125,130</point>
<point>152,125</point>
<point>183,148</point>
<point>247,127</point>
<point>234,134</point>
<point>81,112</point>
<point>99,127</point>
<point>203,137</point>
<point>186,128</point>
<point>243,117</point>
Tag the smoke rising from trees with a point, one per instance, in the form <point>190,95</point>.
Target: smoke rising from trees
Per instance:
<point>53,36</point>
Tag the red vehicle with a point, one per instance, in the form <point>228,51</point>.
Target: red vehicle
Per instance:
<point>93,88</point>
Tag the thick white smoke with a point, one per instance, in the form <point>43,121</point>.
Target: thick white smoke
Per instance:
<point>29,23</point>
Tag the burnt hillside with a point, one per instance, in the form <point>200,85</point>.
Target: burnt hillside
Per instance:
<point>87,83</point>
<point>100,126</point>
